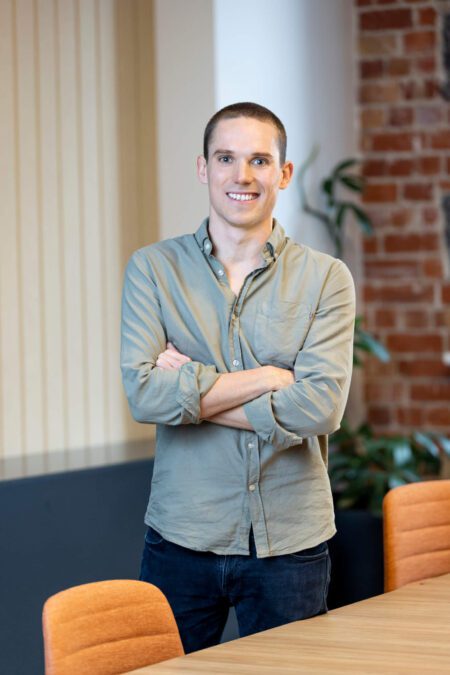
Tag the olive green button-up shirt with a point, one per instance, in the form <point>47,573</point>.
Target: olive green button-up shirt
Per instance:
<point>211,483</point>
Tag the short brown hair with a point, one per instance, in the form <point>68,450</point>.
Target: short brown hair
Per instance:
<point>246,109</point>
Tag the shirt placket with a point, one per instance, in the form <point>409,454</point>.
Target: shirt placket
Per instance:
<point>250,439</point>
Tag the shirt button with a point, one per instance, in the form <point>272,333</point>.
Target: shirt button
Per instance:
<point>235,362</point>
<point>250,445</point>
<point>207,247</point>
<point>220,273</point>
<point>252,487</point>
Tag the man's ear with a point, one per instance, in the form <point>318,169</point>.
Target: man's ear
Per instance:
<point>287,172</point>
<point>202,170</point>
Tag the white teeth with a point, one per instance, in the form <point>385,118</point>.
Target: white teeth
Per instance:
<point>241,197</point>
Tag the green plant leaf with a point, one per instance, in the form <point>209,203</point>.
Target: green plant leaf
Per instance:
<point>366,341</point>
<point>355,183</point>
<point>426,441</point>
<point>340,214</point>
<point>362,218</point>
<point>345,164</point>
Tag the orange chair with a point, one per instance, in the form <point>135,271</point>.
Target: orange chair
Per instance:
<point>416,532</point>
<point>108,627</point>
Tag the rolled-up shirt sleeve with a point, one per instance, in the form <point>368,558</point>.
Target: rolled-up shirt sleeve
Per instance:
<point>155,395</point>
<point>315,403</point>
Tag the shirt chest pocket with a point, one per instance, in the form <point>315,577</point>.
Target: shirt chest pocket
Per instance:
<point>279,332</point>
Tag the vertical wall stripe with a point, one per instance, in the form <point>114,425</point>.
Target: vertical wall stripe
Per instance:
<point>82,211</point>
<point>60,211</point>
<point>102,218</point>
<point>21,373</point>
<point>39,196</point>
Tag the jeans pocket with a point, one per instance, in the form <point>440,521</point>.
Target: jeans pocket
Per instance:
<point>152,537</point>
<point>311,554</point>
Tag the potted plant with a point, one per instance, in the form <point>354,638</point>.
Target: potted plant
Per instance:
<point>364,466</point>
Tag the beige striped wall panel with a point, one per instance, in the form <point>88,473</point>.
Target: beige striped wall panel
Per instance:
<point>77,196</point>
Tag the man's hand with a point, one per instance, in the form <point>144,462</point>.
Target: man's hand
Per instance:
<point>171,358</point>
<point>278,378</point>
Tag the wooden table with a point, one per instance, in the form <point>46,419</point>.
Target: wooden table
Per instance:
<point>405,631</point>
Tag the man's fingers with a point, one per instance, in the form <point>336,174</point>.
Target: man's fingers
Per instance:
<point>170,359</point>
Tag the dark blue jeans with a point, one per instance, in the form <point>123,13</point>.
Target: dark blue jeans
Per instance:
<point>266,592</point>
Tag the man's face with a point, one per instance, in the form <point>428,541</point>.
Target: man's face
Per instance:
<point>243,172</point>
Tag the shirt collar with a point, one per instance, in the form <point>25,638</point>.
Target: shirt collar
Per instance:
<point>272,248</point>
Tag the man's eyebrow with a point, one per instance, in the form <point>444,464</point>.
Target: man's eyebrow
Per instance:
<point>268,155</point>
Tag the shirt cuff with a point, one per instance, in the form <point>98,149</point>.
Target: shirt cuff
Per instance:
<point>260,415</point>
<point>195,380</point>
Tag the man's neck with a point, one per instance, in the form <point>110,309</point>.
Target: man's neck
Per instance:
<point>238,246</point>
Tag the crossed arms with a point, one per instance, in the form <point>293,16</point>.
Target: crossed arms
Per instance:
<point>222,404</point>
<point>280,406</point>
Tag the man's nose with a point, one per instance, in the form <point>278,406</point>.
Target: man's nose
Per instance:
<point>243,173</point>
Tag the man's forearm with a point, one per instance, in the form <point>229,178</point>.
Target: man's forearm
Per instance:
<point>235,417</point>
<point>233,389</point>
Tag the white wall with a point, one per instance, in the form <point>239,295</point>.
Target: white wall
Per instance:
<point>295,57</point>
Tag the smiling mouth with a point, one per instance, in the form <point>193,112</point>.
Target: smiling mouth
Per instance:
<point>243,196</point>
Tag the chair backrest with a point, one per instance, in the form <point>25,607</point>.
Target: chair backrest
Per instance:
<point>416,532</point>
<point>108,627</point>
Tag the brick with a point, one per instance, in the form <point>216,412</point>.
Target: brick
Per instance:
<point>419,41</point>
<point>416,318</point>
<point>410,416</point>
<point>432,268</point>
<point>403,243</point>
<point>426,64</point>
<point>418,191</point>
<point>400,142</point>
<point>445,185</point>
<point>374,167</point>
<point>376,368</point>
<point>439,417</point>
<point>442,319</point>
<point>401,217</point>
<point>396,67</point>
<point>440,140</point>
<point>427,16</point>
<point>388,92</point>
<point>401,117</point>
<point>418,89</point>
<point>448,165</point>
<point>363,3</point>
<point>429,165</point>
<point>423,368</point>
<point>385,19</point>
<point>430,215</point>
<point>405,342</point>
<point>379,415</point>
<point>391,269</point>
<point>397,293</point>
<point>378,45</point>
<point>435,391</point>
<point>383,192</point>
<point>371,69</point>
<point>371,118</point>
<point>370,245</point>
<point>384,391</point>
<point>385,318</point>
<point>428,115</point>
<point>401,167</point>
<point>445,293</point>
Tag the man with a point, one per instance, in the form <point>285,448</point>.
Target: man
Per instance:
<point>237,343</point>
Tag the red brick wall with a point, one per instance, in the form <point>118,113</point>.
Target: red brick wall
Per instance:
<point>405,146</point>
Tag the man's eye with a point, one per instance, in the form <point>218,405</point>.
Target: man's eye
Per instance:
<point>225,159</point>
<point>260,161</point>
